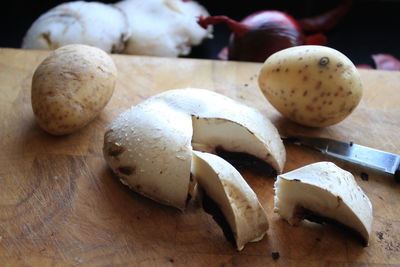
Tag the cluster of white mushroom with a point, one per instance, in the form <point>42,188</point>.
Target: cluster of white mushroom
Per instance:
<point>141,27</point>
<point>164,149</point>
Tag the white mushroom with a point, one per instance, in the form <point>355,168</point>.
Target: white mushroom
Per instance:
<point>163,27</point>
<point>219,121</point>
<point>323,190</point>
<point>90,23</point>
<point>141,27</point>
<point>233,196</point>
<point>149,146</point>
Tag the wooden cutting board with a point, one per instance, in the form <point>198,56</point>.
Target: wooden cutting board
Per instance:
<point>61,205</point>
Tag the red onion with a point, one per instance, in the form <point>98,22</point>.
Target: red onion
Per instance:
<point>264,41</point>
<point>383,62</point>
<point>263,33</point>
<point>325,21</point>
<point>386,62</point>
<point>250,43</point>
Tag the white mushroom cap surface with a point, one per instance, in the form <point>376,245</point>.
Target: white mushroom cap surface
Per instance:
<point>90,23</point>
<point>237,201</point>
<point>148,158</point>
<point>327,191</point>
<point>163,27</point>
<point>154,139</point>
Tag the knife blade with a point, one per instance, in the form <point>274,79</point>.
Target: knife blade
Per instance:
<point>348,151</point>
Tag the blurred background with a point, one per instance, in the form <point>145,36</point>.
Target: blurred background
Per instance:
<point>370,27</point>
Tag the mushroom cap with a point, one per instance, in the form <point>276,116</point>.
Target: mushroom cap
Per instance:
<point>90,23</point>
<point>237,201</point>
<point>327,191</point>
<point>149,148</point>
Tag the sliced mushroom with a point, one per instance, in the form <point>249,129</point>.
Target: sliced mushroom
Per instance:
<point>155,139</point>
<point>323,191</point>
<point>233,196</point>
<point>219,121</point>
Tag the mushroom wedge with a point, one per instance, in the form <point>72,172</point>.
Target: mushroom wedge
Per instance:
<point>149,146</point>
<point>323,192</point>
<point>238,203</point>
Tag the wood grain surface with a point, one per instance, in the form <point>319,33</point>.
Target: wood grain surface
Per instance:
<point>60,204</point>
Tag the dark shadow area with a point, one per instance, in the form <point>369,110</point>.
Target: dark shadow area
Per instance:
<point>370,27</point>
<point>316,218</point>
<point>243,161</point>
<point>212,208</point>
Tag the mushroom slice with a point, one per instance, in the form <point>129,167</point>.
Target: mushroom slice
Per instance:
<point>323,192</point>
<point>210,134</point>
<point>237,201</point>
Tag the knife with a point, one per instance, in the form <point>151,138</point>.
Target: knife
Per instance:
<point>348,151</point>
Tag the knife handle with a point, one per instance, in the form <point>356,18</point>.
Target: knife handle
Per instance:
<point>397,174</point>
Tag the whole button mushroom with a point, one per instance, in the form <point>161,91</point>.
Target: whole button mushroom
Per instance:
<point>91,23</point>
<point>312,85</point>
<point>71,87</point>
